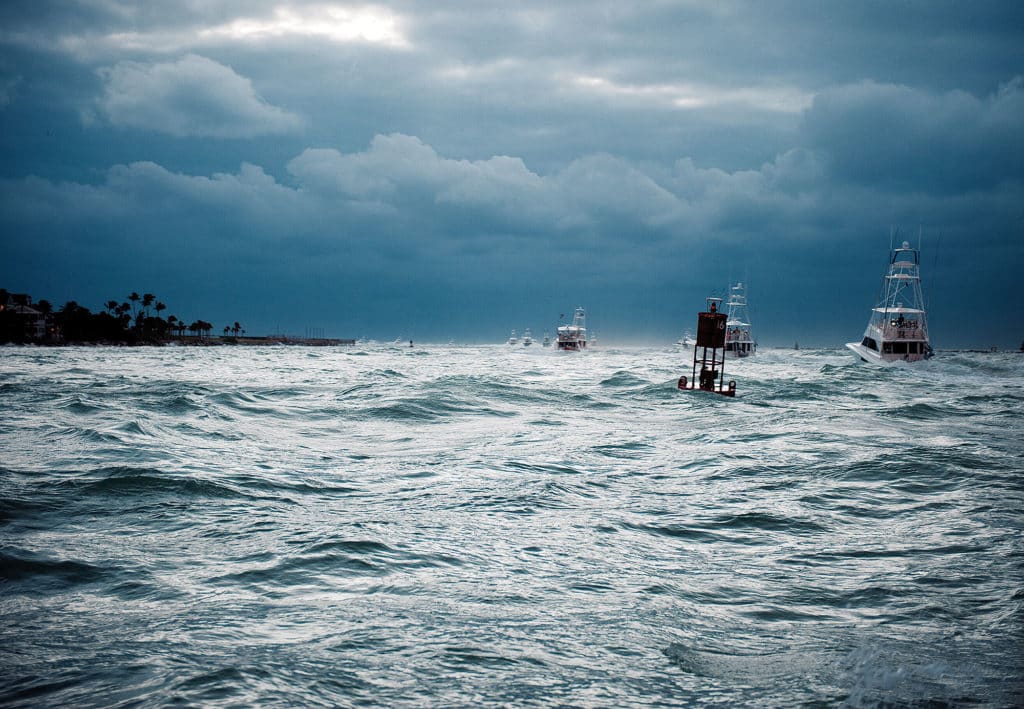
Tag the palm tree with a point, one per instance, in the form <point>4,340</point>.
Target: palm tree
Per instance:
<point>122,313</point>
<point>226,330</point>
<point>111,306</point>
<point>159,324</point>
<point>147,300</point>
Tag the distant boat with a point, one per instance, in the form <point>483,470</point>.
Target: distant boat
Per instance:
<point>686,340</point>
<point>574,337</point>
<point>738,340</point>
<point>897,329</point>
<point>513,340</point>
<point>796,345</point>
<point>547,341</point>
<point>527,338</point>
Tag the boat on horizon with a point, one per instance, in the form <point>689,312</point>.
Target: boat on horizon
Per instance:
<point>738,340</point>
<point>512,339</point>
<point>686,340</point>
<point>897,329</point>
<point>527,338</point>
<point>573,337</point>
<point>547,340</point>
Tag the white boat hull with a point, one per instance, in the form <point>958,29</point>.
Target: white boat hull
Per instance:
<point>866,354</point>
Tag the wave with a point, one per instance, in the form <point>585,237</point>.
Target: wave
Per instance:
<point>623,379</point>
<point>129,482</point>
<point>46,573</point>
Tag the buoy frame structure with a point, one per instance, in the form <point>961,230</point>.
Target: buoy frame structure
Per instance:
<point>708,373</point>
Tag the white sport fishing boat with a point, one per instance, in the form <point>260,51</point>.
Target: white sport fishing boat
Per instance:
<point>738,340</point>
<point>897,330</point>
<point>527,338</point>
<point>512,339</point>
<point>574,337</point>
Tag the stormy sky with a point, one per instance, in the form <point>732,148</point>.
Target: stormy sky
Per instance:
<point>453,170</point>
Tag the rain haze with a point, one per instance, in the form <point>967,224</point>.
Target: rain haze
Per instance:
<point>452,170</point>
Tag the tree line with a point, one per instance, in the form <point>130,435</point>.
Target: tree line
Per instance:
<point>136,320</point>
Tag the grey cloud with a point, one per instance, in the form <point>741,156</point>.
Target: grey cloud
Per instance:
<point>398,169</point>
<point>149,197</point>
<point>598,193</point>
<point>605,186</point>
<point>902,137</point>
<point>193,96</point>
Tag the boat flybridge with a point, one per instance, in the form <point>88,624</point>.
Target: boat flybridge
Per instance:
<point>897,330</point>
<point>574,337</point>
<point>738,340</point>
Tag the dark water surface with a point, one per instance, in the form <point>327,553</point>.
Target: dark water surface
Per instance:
<point>465,526</point>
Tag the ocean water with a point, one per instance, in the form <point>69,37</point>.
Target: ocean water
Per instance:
<point>492,526</point>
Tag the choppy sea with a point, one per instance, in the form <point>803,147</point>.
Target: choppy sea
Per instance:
<point>493,526</point>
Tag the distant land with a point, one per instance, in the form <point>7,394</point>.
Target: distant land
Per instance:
<point>136,321</point>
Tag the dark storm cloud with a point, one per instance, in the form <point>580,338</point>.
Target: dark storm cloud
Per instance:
<point>445,160</point>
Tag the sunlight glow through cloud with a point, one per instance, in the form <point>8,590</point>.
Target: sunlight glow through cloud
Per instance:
<point>371,24</point>
<point>693,96</point>
<point>333,22</point>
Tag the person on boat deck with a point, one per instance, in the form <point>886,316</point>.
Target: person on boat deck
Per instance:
<point>714,307</point>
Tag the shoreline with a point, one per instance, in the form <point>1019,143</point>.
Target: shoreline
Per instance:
<point>197,341</point>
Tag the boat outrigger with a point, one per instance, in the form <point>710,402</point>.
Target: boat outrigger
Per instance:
<point>709,367</point>
<point>897,330</point>
<point>738,340</point>
<point>573,337</point>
